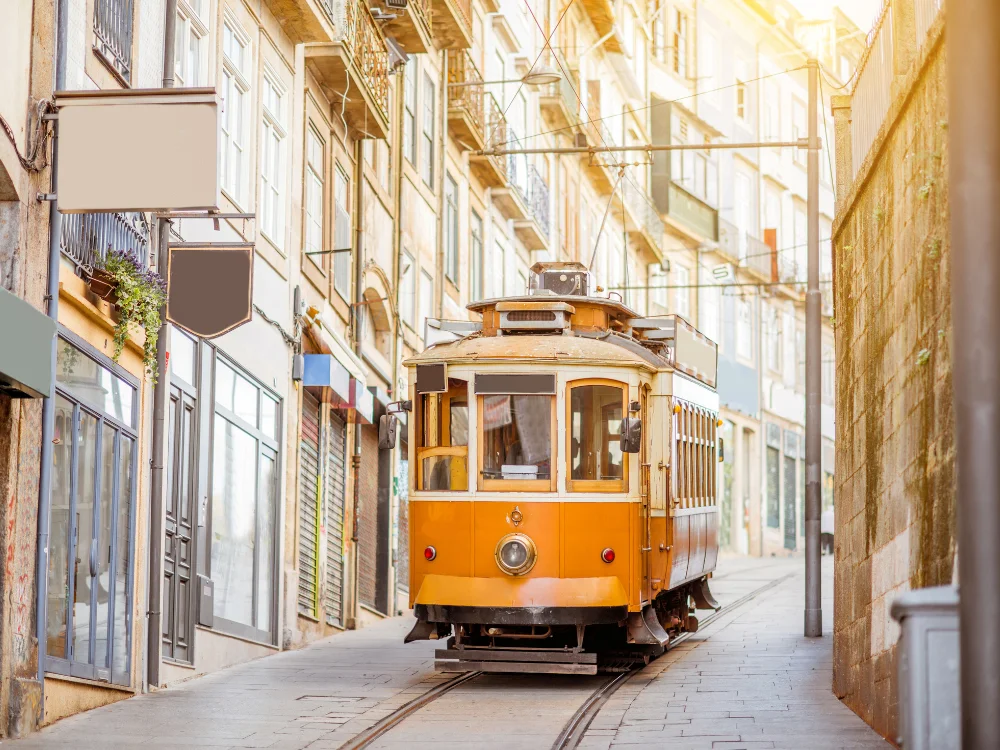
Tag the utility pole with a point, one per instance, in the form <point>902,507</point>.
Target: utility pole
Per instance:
<point>974,187</point>
<point>814,370</point>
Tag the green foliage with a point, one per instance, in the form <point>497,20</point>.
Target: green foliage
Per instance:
<point>141,292</point>
<point>923,357</point>
<point>935,250</point>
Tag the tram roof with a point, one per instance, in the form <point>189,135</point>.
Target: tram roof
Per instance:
<point>608,349</point>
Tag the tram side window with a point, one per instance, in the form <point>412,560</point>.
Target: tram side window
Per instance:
<point>517,441</point>
<point>596,461</point>
<point>443,438</point>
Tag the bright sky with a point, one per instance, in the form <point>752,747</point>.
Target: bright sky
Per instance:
<point>862,12</point>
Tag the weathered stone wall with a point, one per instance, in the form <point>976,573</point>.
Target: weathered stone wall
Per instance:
<point>895,493</point>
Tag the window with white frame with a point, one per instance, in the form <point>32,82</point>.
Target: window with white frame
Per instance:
<point>659,31</point>
<point>476,258</point>
<point>451,228</point>
<point>682,291</point>
<point>744,328</point>
<point>235,100</point>
<point>427,141</point>
<point>314,194</point>
<point>191,43</point>
<point>410,111</point>
<point>342,233</point>
<point>272,156</point>
<point>407,288</point>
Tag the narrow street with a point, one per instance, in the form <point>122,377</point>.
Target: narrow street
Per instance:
<point>748,680</point>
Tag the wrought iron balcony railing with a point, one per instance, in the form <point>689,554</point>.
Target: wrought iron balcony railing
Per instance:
<point>361,37</point>
<point>517,165</point>
<point>642,208</point>
<point>469,94</point>
<point>86,238</point>
<point>113,34</point>
<point>538,199</point>
<point>496,131</point>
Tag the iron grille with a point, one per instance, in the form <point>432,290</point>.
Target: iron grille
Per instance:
<point>113,32</point>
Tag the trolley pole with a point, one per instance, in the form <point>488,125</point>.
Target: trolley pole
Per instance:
<point>814,353</point>
<point>974,186</point>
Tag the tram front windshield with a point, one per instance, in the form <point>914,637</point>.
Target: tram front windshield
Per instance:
<point>517,437</point>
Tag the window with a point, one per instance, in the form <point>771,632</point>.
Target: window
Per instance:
<point>235,98</point>
<point>407,289</point>
<point>314,194</point>
<point>89,619</point>
<point>829,372</point>
<point>773,487</point>
<point>272,173</point>
<point>476,258</point>
<point>516,435</point>
<point>427,149</point>
<point>659,43</point>
<point>442,450</point>
<point>191,45</point>
<point>741,100</point>
<point>710,307</point>
<point>657,289</point>
<point>113,35</point>
<point>682,291</point>
<point>410,111</point>
<point>680,43</point>
<point>596,462</point>
<point>744,328</point>
<point>426,302</point>
<point>342,265</point>
<point>451,229</point>
<point>244,505</point>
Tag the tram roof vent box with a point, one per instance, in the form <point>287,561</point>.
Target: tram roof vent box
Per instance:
<point>561,279</point>
<point>534,316</point>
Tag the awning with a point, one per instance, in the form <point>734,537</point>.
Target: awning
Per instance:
<point>25,348</point>
<point>362,402</point>
<point>325,371</point>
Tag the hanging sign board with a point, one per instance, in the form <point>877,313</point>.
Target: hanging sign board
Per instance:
<point>138,150</point>
<point>209,289</point>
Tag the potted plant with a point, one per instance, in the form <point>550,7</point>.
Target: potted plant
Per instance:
<point>102,284</point>
<point>138,293</point>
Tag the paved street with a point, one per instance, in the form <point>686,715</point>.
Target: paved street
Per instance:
<point>749,680</point>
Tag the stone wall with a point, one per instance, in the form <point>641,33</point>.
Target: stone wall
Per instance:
<point>895,492</point>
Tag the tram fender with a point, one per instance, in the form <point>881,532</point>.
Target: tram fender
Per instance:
<point>703,598</point>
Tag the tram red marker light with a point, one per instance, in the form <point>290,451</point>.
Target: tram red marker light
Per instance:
<point>608,555</point>
<point>430,553</point>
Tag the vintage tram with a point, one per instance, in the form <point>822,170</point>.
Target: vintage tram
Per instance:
<point>563,458</point>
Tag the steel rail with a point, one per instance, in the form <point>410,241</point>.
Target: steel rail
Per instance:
<point>574,730</point>
<point>368,736</point>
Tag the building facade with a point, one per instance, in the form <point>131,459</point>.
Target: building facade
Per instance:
<point>392,165</point>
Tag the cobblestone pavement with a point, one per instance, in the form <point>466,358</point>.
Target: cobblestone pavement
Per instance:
<point>750,680</point>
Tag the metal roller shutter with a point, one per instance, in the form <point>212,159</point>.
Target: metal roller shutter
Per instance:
<point>309,496</point>
<point>368,518</point>
<point>333,599</point>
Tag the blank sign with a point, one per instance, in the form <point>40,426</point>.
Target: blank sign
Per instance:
<point>209,290</point>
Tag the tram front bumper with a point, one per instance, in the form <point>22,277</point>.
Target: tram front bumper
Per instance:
<point>521,601</point>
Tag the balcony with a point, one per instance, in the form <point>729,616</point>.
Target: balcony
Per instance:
<point>602,167</point>
<point>411,28</point>
<point>558,101</point>
<point>86,238</point>
<point>642,220</point>
<point>690,214</point>
<point>492,170</point>
<point>533,231</point>
<point>304,20</point>
<point>466,100</point>
<point>356,62</point>
<point>729,241</point>
<point>602,15</point>
<point>452,23</point>
<point>510,199</point>
<point>759,258</point>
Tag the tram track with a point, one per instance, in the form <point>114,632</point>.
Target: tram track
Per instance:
<point>573,731</point>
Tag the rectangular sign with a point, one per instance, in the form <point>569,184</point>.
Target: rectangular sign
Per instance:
<point>138,150</point>
<point>507,384</point>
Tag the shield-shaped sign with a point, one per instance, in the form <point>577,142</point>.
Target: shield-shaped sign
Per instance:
<point>209,289</point>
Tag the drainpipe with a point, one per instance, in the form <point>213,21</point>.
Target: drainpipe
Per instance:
<point>48,404</point>
<point>397,171</point>
<point>359,244</point>
<point>160,391</point>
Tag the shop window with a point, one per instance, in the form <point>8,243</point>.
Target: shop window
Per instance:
<point>596,461</point>
<point>89,603</point>
<point>442,449</point>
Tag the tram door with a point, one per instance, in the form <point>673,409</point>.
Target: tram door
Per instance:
<point>644,489</point>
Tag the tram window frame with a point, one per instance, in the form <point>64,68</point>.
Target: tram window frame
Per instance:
<point>516,485</point>
<point>594,485</point>
<point>457,388</point>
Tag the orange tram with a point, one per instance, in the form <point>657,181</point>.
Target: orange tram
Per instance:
<point>563,454</point>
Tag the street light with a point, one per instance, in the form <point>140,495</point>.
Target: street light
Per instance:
<point>537,76</point>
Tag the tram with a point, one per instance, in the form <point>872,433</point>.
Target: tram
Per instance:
<point>563,457</point>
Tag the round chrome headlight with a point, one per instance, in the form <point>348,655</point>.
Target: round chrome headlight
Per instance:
<point>516,554</point>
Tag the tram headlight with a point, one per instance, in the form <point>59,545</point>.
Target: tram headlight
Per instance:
<point>516,554</point>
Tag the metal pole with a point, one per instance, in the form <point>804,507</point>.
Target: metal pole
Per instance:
<point>359,244</point>
<point>48,404</point>
<point>974,185</point>
<point>160,394</point>
<point>814,369</point>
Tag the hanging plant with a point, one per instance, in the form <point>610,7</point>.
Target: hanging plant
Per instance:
<point>138,293</point>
